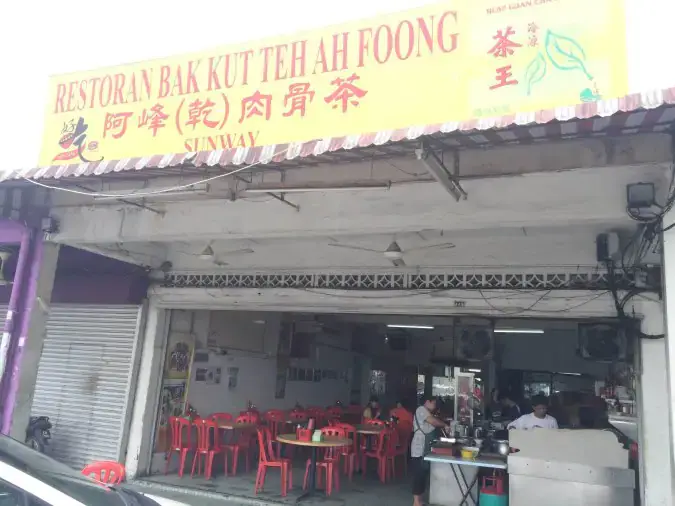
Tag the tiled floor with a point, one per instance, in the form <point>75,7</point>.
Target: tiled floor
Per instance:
<point>239,490</point>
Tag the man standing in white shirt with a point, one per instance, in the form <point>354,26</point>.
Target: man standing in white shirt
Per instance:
<point>538,419</point>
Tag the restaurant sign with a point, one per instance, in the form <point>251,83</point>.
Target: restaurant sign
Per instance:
<point>450,61</point>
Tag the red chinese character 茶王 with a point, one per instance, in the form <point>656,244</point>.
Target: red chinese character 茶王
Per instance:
<point>116,124</point>
<point>504,46</point>
<point>299,95</point>
<point>504,77</point>
<point>154,119</point>
<point>199,112</point>
<point>346,92</point>
<point>256,105</point>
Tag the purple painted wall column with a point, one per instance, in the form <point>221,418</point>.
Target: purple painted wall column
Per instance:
<point>11,383</point>
<point>12,232</point>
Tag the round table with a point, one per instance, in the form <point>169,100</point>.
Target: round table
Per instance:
<point>369,430</point>
<point>328,442</point>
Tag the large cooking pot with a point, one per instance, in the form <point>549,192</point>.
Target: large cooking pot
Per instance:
<point>501,446</point>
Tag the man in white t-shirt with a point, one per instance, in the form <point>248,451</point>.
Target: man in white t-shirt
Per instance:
<point>538,419</point>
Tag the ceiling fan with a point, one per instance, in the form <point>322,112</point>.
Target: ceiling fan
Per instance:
<point>394,253</point>
<point>209,254</point>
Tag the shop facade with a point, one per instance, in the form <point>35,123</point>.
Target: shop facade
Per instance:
<point>496,214</point>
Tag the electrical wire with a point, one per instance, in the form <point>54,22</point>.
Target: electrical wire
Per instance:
<point>153,192</point>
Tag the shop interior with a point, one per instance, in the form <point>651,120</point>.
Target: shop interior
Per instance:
<point>241,361</point>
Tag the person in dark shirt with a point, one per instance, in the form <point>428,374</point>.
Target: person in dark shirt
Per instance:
<point>510,409</point>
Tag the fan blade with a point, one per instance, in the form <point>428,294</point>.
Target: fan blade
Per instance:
<point>242,251</point>
<point>349,246</point>
<point>445,245</point>
<point>398,262</point>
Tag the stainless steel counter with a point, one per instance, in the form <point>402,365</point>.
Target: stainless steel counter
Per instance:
<point>536,482</point>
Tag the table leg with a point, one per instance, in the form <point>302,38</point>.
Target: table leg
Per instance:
<point>466,495</point>
<point>311,486</point>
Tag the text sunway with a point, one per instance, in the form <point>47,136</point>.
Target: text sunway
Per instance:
<point>223,141</point>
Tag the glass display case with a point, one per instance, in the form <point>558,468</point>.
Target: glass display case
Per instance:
<point>464,387</point>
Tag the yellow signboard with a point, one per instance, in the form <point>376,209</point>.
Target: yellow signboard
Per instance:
<point>450,61</point>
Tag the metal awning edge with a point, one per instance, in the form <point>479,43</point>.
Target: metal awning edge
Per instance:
<point>281,152</point>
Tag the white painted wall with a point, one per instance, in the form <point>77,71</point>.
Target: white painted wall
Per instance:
<point>252,348</point>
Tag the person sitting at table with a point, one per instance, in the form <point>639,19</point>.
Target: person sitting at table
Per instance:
<point>538,419</point>
<point>424,426</point>
<point>510,408</point>
<point>401,413</point>
<point>372,410</point>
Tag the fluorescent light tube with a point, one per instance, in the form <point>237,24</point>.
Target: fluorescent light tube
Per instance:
<point>518,331</point>
<point>307,189</point>
<point>421,327</point>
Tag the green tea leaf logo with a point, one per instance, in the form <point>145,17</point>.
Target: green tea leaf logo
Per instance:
<point>588,95</point>
<point>535,71</point>
<point>566,53</point>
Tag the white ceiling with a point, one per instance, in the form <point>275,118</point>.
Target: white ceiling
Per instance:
<point>490,248</point>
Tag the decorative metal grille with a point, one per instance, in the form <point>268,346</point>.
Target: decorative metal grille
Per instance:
<point>553,280</point>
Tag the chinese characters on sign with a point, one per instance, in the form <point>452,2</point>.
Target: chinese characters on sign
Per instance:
<point>503,48</point>
<point>452,61</point>
<point>206,112</point>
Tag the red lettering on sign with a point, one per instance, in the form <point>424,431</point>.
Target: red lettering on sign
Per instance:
<point>504,78</point>
<point>256,105</point>
<point>346,92</point>
<point>298,96</point>
<point>116,124</point>
<point>504,46</point>
<point>154,119</point>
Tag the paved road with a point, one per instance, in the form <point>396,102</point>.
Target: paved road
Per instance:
<point>191,500</point>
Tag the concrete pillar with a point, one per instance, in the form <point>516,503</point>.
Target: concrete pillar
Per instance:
<point>668,344</point>
<point>148,384</point>
<point>654,409</point>
<point>31,330</point>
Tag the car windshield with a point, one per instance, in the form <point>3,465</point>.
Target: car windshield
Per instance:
<point>56,474</point>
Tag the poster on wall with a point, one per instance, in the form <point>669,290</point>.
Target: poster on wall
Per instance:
<point>179,354</point>
<point>280,385</point>
<point>232,375</point>
<point>173,402</point>
<point>213,375</point>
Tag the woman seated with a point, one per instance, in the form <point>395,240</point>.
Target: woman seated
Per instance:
<point>372,410</point>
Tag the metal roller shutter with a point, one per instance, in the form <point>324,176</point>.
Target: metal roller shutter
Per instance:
<point>84,378</point>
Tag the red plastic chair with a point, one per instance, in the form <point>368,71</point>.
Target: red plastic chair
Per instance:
<point>298,416</point>
<point>267,459</point>
<point>179,428</point>
<point>350,453</point>
<point>384,453</point>
<point>334,411</point>
<point>254,414</point>
<point>330,463</point>
<point>404,433</point>
<point>276,421</point>
<point>221,417</point>
<point>106,472</point>
<point>243,442</point>
<point>319,415</point>
<point>375,421</point>
<point>208,446</point>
